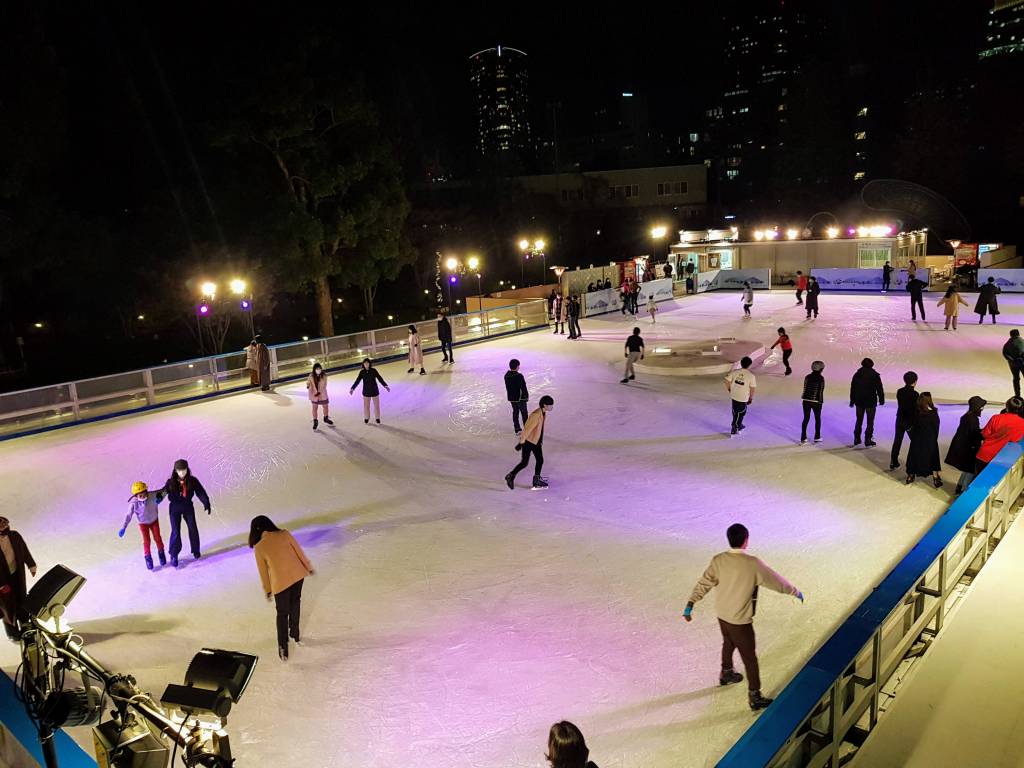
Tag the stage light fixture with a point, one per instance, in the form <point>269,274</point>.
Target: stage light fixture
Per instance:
<point>214,681</point>
<point>52,593</point>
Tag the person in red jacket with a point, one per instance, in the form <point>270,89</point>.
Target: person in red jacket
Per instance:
<point>1001,429</point>
<point>787,348</point>
<point>801,286</point>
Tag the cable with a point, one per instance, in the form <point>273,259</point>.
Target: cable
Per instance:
<point>175,750</point>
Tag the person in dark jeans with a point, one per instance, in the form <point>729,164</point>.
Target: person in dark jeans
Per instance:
<point>866,394</point>
<point>1013,353</point>
<point>906,410</point>
<point>180,489</point>
<point>886,276</point>
<point>444,335</point>
<point>574,317</point>
<point>282,566</point>
<point>518,396</point>
<point>916,288</point>
<point>531,441</point>
<point>813,396</point>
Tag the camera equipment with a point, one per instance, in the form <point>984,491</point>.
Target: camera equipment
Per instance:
<point>140,729</point>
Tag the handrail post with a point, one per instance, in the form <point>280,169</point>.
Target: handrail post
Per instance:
<point>519,322</point>
<point>485,319</point>
<point>213,374</point>
<point>373,343</point>
<point>273,364</point>
<point>76,410</point>
<point>147,377</point>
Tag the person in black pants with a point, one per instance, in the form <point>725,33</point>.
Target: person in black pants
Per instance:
<point>518,396</point>
<point>444,335</point>
<point>813,289</point>
<point>180,489</point>
<point>574,317</point>
<point>886,276</point>
<point>531,441</point>
<point>916,287</point>
<point>866,394</point>
<point>813,396</point>
<point>906,413</point>
<point>1013,354</point>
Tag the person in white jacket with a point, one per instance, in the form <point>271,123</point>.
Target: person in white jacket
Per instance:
<point>415,351</point>
<point>748,298</point>
<point>738,575</point>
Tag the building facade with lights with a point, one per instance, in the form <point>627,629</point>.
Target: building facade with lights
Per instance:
<point>500,81</point>
<point>1004,32</point>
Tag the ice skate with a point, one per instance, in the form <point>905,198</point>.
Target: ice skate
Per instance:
<point>378,421</point>
<point>803,441</point>
<point>315,424</point>
<point>757,701</point>
<point>870,443</point>
<point>539,482</point>
<point>423,372</point>
<point>410,370</point>
<point>729,677</point>
<point>149,562</point>
<point>162,557</point>
<point>625,381</point>
<point>817,439</point>
<point>174,561</point>
<point>510,481</point>
<point>282,653</point>
<point>328,422</point>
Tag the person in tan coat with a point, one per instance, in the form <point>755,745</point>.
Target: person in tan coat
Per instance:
<point>415,351</point>
<point>316,387</point>
<point>737,575</point>
<point>950,304</point>
<point>531,440</point>
<point>282,566</point>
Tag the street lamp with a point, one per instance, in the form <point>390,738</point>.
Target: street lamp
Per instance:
<point>208,289</point>
<point>529,250</point>
<point>473,262</point>
<point>657,233</point>
<point>238,287</point>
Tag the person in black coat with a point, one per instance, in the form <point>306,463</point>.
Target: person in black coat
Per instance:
<point>906,413</point>
<point>180,489</point>
<point>866,393</point>
<point>987,301</point>
<point>518,396</point>
<point>369,376</point>
<point>811,302</point>
<point>574,317</point>
<point>966,442</point>
<point>916,288</point>
<point>444,335</point>
<point>14,559</point>
<point>923,454</point>
<point>886,276</point>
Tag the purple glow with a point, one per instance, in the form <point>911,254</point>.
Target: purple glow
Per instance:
<point>888,230</point>
<point>453,279</point>
<point>851,231</point>
<point>204,309</point>
<point>245,304</point>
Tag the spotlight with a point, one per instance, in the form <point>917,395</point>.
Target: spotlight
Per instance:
<point>50,595</point>
<point>758,234</point>
<point>791,234</point>
<point>832,232</point>
<point>72,707</point>
<point>214,681</point>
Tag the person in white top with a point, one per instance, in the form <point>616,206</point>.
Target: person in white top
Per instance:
<point>747,298</point>
<point>741,385</point>
<point>737,575</point>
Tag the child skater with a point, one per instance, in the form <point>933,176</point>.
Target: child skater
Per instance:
<point>369,376</point>
<point>143,505</point>
<point>787,348</point>
<point>316,384</point>
<point>652,308</point>
<point>747,298</point>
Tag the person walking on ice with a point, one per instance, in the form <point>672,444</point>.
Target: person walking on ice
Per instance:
<point>866,394</point>
<point>518,396</point>
<point>634,352</point>
<point>531,441</point>
<point>370,376</point>
<point>415,351</point>
<point>813,289</point>
<point>950,304</point>
<point>1013,353</point>
<point>886,276</point>
<point>180,489</point>
<point>740,384</point>
<point>282,566</point>
<point>737,575</point>
<point>915,288</point>
<point>906,414</point>
<point>813,396</point>
<point>801,286</point>
<point>652,308</point>
<point>747,298</point>
<point>786,345</point>
<point>444,335</point>
<point>143,505</point>
<point>316,387</point>
<point>987,301</point>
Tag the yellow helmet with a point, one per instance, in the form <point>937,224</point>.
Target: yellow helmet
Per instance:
<point>138,487</point>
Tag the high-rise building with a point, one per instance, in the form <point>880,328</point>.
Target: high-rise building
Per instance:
<point>1004,33</point>
<point>499,79</point>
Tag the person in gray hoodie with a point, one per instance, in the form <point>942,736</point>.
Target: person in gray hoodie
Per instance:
<point>143,505</point>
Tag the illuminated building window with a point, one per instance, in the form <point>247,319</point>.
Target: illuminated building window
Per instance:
<point>860,135</point>
<point>862,112</point>
<point>732,173</point>
<point>859,175</point>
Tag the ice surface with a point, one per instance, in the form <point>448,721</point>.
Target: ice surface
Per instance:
<point>451,621</point>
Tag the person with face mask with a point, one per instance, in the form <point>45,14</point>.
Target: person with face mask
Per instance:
<point>180,489</point>
<point>531,440</point>
<point>316,386</point>
<point>369,377</point>
<point>14,558</point>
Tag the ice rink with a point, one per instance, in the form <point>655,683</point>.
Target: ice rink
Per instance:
<point>451,620</point>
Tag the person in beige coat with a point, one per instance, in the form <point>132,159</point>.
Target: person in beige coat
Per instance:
<point>316,388</point>
<point>531,440</point>
<point>415,351</point>
<point>737,575</point>
<point>283,566</point>
<point>950,304</point>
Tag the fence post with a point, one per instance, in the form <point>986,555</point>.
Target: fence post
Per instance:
<point>519,322</point>
<point>73,392</point>
<point>486,320</point>
<point>147,377</point>
<point>213,374</point>
<point>273,364</point>
<point>373,344</point>
<point>323,354</point>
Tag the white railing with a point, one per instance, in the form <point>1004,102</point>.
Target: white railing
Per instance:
<point>57,405</point>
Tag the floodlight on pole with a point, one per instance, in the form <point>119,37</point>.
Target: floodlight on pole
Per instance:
<point>452,263</point>
<point>524,244</point>
<point>538,245</point>
<point>237,286</point>
<point>473,262</point>
<point>208,289</point>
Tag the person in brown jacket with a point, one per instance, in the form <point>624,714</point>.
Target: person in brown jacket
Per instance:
<point>283,566</point>
<point>531,440</point>
<point>14,559</point>
<point>262,363</point>
<point>738,576</point>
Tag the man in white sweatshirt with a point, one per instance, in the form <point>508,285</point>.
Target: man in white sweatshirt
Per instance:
<point>738,576</point>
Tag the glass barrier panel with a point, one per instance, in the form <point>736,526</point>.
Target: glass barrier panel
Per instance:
<point>298,358</point>
<point>15,402</point>
<point>110,385</point>
<point>50,418</point>
<point>180,390</point>
<point>501,320</point>
<point>533,314</point>
<point>179,373</point>
<point>114,404</point>
<point>348,349</point>
<point>391,341</point>
<point>466,327</point>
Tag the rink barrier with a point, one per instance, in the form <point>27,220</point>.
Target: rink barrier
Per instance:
<point>831,705</point>
<point>18,725</point>
<point>56,406</point>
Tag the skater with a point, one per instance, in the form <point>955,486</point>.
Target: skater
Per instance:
<point>1001,429</point>
<point>652,308</point>
<point>563,315</point>
<point>740,384</point>
<point>634,297</point>
<point>923,454</point>
<point>801,286</point>
<point>251,365</point>
<point>747,298</point>
<point>911,271</point>
<point>866,393</point>
<point>415,352</point>
<point>1013,353</point>
<point>444,335</point>
<point>886,276</point>
<point>966,443</point>
<point>786,345</point>
<point>951,305</point>
<point>262,363</point>
<point>14,559</point>
<point>813,396</point>
<point>915,287</point>
<point>738,575</point>
<point>518,396</point>
<point>559,317</point>
<point>567,747</point>
<point>283,566</point>
<point>531,440</point>
<point>180,489</point>
<point>316,388</point>
<point>575,306</point>
<point>813,289</point>
<point>551,303</point>
<point>369,376</point>
<point>906,411</point>
<point>143,505</point>
<point>634,352</point>
<point>987,301</point>
<point>624,296</point>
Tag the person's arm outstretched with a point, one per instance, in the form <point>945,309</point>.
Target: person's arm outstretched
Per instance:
<point>707,582</point>
<point>773,581</point>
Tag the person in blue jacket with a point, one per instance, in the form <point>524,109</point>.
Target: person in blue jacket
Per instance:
<point>181,487</point>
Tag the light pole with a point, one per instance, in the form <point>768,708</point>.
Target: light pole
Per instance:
<point>659,232</point>
<point>209,291</point>
<point>452,264</point>
<point>529,250</point>
<point>238,287</point>
<point>473,262</point>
